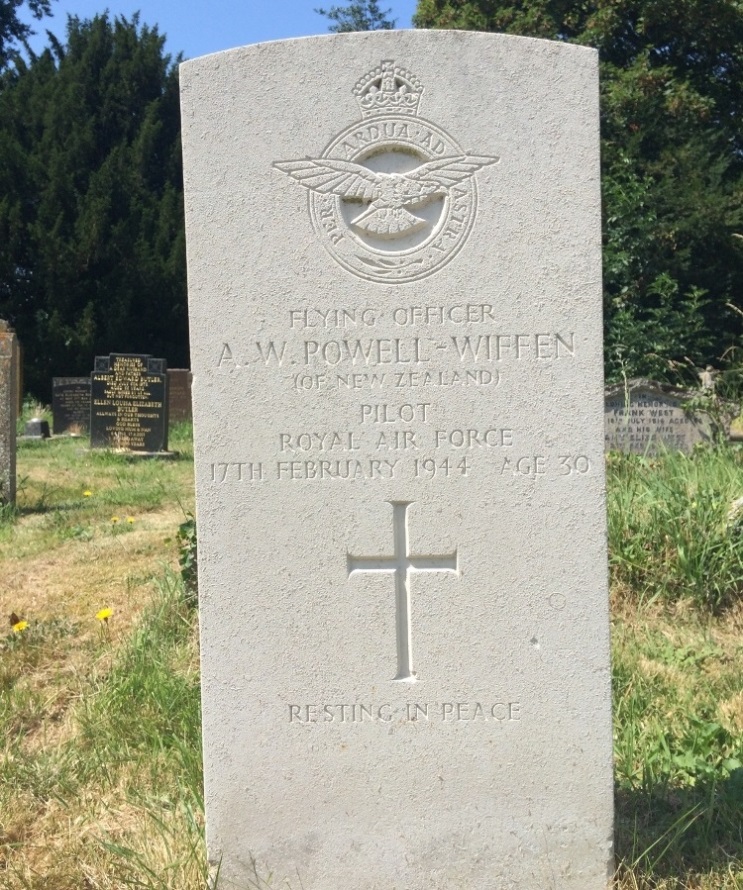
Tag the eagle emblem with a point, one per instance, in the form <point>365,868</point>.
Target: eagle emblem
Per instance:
<point>392,197</point>
<point>387,194</point>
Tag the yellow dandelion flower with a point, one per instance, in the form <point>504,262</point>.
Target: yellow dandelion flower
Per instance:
<point>104,614</point>
<point>20,626</point>
<point>114,519</point>
<point>130,520</point>
<point>87,494</point>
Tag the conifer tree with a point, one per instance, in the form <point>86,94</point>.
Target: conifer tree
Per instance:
<point>92,256</point>
<point>13,31</point>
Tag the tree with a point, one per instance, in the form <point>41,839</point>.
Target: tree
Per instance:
<point>12,30</point>
<point>672,159</point>
<point>364,15</point>
<point>92,256</point>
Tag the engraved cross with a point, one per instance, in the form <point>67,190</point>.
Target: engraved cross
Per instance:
<point>401,564</point>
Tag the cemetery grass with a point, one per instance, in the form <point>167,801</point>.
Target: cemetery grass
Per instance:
<point>676,563</point>
<point>100,758</point>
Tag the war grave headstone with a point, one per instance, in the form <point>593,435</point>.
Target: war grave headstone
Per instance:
<point>8,412</point>
<point>70,405</point>
<point>129,403</point>
<point>643,416</point>
<point>179,394</point>
<point>395,309</point>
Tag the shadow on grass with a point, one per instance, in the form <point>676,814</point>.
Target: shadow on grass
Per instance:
<point>678,833</point>
<point>43,507</point>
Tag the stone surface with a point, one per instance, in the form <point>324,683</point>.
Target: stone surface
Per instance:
<point>19,372</point>
<point>36,428</point>
<point>644,416</point>
<point>129,403</point>
<point>179,394</point>
<point>70,405</point>
<point>395,311</point>
<point>8,412</point>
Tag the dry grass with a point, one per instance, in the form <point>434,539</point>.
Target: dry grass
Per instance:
<point>81,805</point>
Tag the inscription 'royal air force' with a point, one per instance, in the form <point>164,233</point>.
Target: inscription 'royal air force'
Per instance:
<point>392,197</point>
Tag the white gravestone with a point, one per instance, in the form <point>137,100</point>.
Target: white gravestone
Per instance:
<point>395,308</point>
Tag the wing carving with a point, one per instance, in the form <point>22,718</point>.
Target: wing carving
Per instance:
<point>386,193</point>
<point>437,177</point>
<point>333,177</point>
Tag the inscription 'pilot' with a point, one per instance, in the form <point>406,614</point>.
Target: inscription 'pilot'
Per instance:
<point>385,413</point>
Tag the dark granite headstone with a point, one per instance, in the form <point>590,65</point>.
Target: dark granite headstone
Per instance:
<point>36,428</point>
<point>179,394</point>
<point>644,417</point>
<point>70,405</point>
<point>128,405</point>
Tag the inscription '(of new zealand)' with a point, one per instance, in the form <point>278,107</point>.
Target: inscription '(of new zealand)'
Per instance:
<point>392,197</point>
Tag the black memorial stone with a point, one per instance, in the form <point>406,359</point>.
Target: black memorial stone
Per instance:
<point>37,429</point>
<point>129,397</point>
<point>70,405</point>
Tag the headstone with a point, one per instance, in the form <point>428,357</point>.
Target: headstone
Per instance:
<point>8,412</point>
<point>19,373</point>
<point>36,428</point>
<point>179,395</point>
<point>129,403</point>
<point>70,405</point>
<point>395,313</point>
<point>643,416</point>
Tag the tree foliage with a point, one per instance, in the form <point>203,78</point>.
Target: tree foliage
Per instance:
<point>363,15</point>
<point>92,254</point>
<point>672,158</point>
<point>13,31</point>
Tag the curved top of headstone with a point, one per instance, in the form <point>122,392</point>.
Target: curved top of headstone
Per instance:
<point>397,38</point>
<point>637,384</point>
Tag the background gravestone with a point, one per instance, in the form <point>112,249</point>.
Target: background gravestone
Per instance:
<point>19,372</point>
<point>129,403</point>
<point>395,311</point>
<point>70,405</point>
<point>8,412</point>
<point>644,416</point>
<point>179,395</point>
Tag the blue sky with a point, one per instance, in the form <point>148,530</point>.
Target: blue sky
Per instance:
<point>208,26</point>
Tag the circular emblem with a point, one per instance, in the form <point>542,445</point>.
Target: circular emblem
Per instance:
<point>393,196</point>
<point>412,226</point>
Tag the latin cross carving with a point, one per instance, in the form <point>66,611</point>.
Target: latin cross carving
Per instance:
<point>402,564</point>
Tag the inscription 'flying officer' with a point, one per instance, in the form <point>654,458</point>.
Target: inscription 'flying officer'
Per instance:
<point>386,193</point>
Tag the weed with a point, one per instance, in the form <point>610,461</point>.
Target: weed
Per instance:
<point>670,532</point>
<point>188,558</point>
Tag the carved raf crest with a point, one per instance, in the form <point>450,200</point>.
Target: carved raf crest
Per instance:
<point>392,197</point>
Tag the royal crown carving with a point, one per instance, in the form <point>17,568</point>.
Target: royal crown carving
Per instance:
<point>388,88</point>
